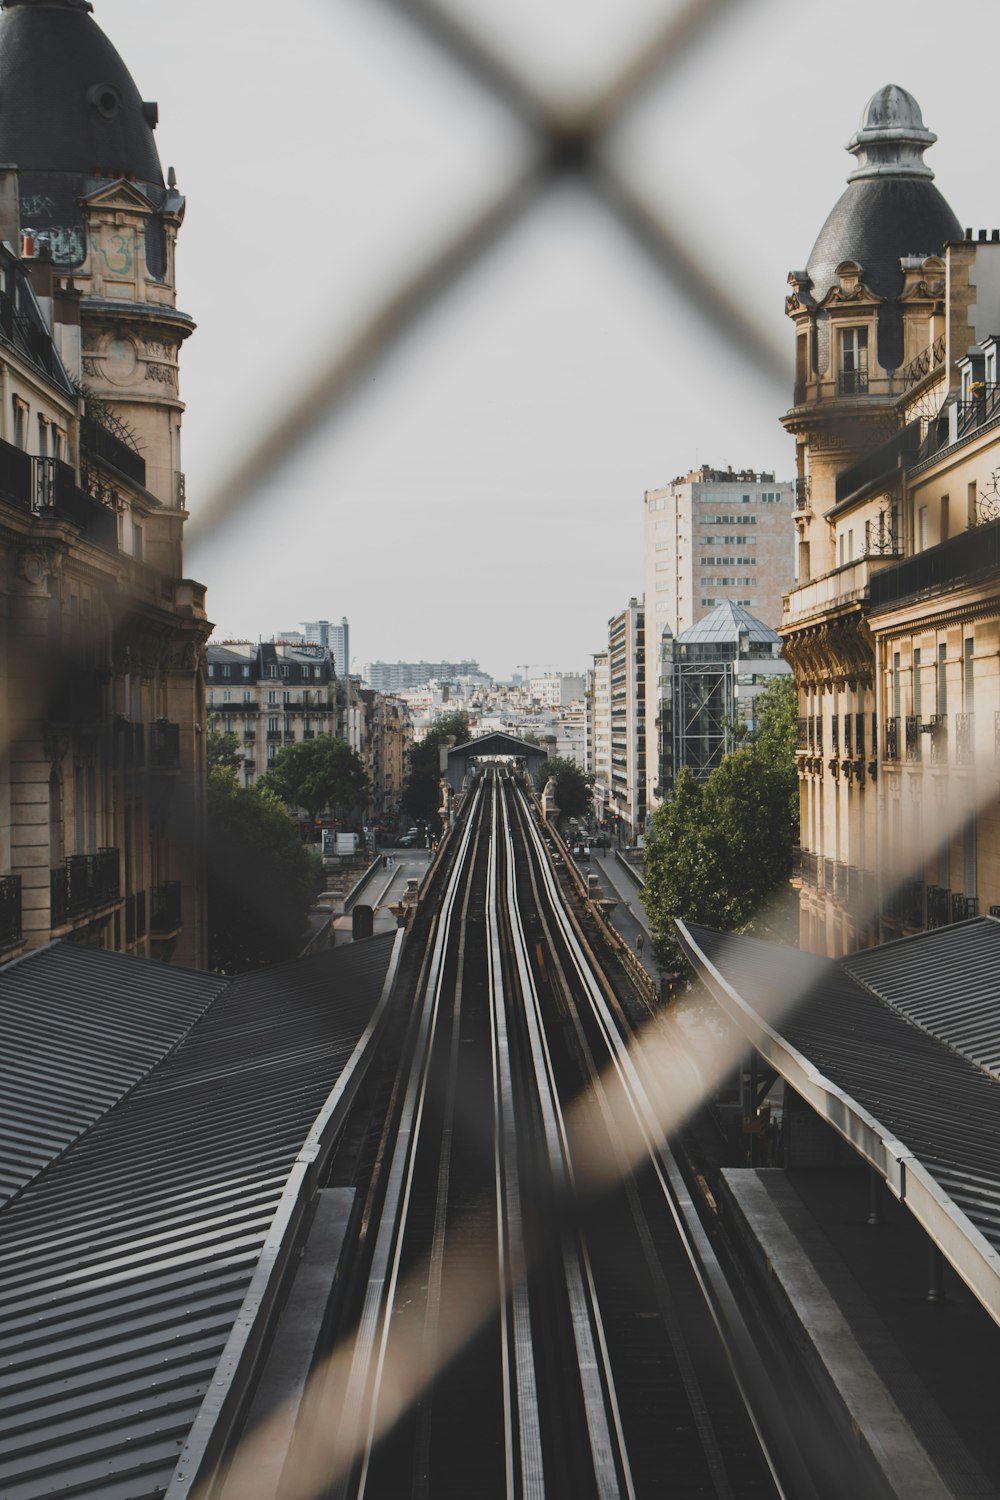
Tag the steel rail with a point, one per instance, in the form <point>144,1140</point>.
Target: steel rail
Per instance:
<point>369,1354</point>
<point>709,1276</point>
<point>522,1422</point>
<point>604,1428</point>
<point>435,1270</point>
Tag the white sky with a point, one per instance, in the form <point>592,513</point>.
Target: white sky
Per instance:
<point>482,495</point>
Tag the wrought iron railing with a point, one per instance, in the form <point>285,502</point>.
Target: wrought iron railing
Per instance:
<point>84,883</point>
<point>905,904</point>
<point>803,492</point>
<point>891,742</point>
<point>848,724</point>
<point>964,557</point>
<point>859,734</point>
<point>853,382</point>
<point>10,911</point>
<point>965,739</point>
<point>912,737</point>
<point>964,908</point>
<point>882,536</point>
<point>938,727</point>
<point>978,408</point>
<point>165,904</point>
<point>923,363</point>
<point>835,734</point>
<point>938,906</point>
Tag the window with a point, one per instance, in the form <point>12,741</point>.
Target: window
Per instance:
<point>854,359</point>
<point>944,518</point>
<point>922,529</point>
<point>137,546</point>
<point>272,696</point>
<point>916,682</point>
<point>246,672</point>
<point>43,438</point>
<point>227,696</point>
<point>247,696</point>
<point>972,503</point>
<point>942,680</point>
<point>226,672</point>
<point>286,697</point>
<point>968,675</point>
<point>272,726</point>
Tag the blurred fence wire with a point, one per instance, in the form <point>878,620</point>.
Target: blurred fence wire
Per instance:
<point>563,143</point>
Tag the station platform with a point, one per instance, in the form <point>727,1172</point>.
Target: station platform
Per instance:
<point>913,1381</point>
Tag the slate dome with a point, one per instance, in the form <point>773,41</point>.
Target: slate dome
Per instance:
<point>69,110</point>
<point>890,209</point>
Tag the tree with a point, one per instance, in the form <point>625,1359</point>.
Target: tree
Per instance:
<point>222,749</point>
<point>718,849</point>
<point>261,879</point>
<point>317,774</point>
<point>421,793</point>
<point>573,787</point>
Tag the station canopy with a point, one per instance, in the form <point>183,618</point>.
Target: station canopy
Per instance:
<point>496,744</point>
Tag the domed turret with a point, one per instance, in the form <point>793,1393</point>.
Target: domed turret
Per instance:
<point>890,210</point>
<point>70,115</point>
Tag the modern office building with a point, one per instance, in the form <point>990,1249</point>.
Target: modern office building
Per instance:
<point>713,674</point>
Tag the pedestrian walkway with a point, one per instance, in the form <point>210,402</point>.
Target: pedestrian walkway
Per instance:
<point>384,890</point>
<point>628,917</point>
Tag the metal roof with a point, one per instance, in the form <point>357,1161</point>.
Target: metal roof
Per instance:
<point>78,1029</point>
<point>724,624</point>
<point>925,1116</point>
<point>496,743</point>
<point>946,981</point>
<point>131,1270</point>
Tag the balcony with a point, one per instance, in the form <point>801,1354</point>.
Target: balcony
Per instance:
<point>55,489</point>
<point>967,558</point>
<point>905,904</point>
<point>964,908</point>
<point>937,727</point>
<point>83,884</point>
<point>891,744</point>
<point>912,737</point>
<point>803,493</point>
<point>859,735</point>
<point>840,587</point>
<point>274,736</point>
<point>249,737</point>
<point>10,911</point>
<point>135,917</point>
<point>289,736</point>
<point>965,739</point>
<point>938,906</point>
<point>802,734</point>
<point>16,475</point>
<point>165,909</point>
<point>109,449</point>
<point>977,409</point>
<point>923,364</point>
<point>164,746</point>
<point>852,383</point>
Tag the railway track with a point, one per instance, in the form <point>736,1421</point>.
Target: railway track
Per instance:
<point>539,1312</point>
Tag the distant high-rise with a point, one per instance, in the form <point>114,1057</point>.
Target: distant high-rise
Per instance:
<point>711,536</point>
<point>333,638</point>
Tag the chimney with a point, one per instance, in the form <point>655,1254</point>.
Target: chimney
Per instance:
<point>10,207</point>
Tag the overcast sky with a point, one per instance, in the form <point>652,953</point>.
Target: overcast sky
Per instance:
<point>482,495</point>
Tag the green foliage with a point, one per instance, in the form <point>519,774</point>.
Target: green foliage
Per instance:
<point>718,849</point>
<point>262,880</point>
<point>421,793</point>
<point>573,787</point>
<point>317,774</point>
<point>222,749</point>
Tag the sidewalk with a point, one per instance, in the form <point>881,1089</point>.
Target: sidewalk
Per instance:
<point>628,916</point>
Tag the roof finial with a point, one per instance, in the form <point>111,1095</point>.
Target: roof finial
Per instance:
<point>891,138</point>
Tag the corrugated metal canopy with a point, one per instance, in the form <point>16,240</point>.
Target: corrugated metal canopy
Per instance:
<point>78,1029</point>
<point>920,1111</point>
<point>947,981</point>
<point>124,1266</point>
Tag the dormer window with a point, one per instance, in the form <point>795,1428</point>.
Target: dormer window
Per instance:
<point>990,366</point>
<point>854,361</point>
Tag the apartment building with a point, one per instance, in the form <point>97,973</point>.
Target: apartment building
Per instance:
<point>102,639</point>
<point>894,628</point>
<point>626,810</point>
